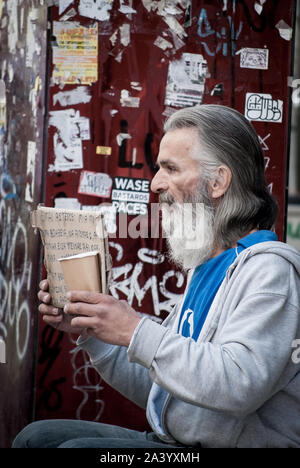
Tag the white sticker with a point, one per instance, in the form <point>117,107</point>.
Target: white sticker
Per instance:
<point>254,58</point>
<point>263,108</point>
<point>130,195</point>
<point>96,184</point>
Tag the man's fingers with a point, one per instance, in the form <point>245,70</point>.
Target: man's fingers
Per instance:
<point>89,297</point>
<point>49,310</point>
<point>79,308</point>
<point>44,297</point>
<point>83,322</point>
<point>44,285</point>
<point>53,320</point>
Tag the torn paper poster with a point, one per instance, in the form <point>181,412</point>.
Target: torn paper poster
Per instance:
<point>75,54</point>
<point>71,128</point>
<point>186,81</point>
<point>263,108</point>
<point>70,124</point>
<point>30,172</point>
<point>285,31</point>
<point>95,9</point>
<point>96,184</point>
<point>79,95</point>
<point>254,58</point>
<point>63,5</point>
<point>66,157</point>
<point>128,101</point>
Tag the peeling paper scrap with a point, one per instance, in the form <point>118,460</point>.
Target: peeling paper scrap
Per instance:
<point>254,58</point>
<point>67,203</point>
<point>122,136</point>
<point>125,34</point>
<point>263,108</point>
<point>30,172</point>
<point>63,5</point>
<point>2,105</point>
<point>80,95</point>
<point>162,43</point>
<point>109,212</point>
<point>95,9</point>
<point>128,101</point>
<point>136,85</point>
<point>96,184</point>
<point>69,14</point>
<point>32,45</point>
<point>285,31</point>
<point>105,150</point>
<point>175,26</point>
<point>258,8</point>
<point>126,9</point>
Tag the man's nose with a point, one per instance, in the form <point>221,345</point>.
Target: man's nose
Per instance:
<point>159,183</point>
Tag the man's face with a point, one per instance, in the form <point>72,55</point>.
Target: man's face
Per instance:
<point>178,173</point>
<point>187,215</point>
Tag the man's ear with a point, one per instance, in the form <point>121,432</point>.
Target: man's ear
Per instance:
<point>220,182</point>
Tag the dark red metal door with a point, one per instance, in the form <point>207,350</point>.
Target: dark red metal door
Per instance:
<point>116,73</point>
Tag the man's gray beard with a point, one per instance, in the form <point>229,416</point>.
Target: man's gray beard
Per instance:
<point>188,227</point>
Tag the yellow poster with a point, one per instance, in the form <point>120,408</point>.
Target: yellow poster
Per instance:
<point>1,5</point>
<point>75,53</point>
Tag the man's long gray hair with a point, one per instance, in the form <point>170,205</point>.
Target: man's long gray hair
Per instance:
<point>227,138</point>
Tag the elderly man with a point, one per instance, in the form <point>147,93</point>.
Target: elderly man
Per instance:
<point>219,371</point>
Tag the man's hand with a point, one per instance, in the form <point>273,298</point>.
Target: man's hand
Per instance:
<point>54,316</point>
<point>103,316</point>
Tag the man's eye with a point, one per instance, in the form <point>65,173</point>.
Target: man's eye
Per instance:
<point>171,169</point>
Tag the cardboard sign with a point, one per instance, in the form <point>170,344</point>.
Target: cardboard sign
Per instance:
<point>66,233</point>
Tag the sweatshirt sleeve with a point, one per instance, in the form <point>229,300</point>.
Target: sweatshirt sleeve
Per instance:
<point>239,369</point>
<point>130,379</point>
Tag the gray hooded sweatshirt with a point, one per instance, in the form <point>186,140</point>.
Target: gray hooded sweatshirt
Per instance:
<point>238,385</point>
